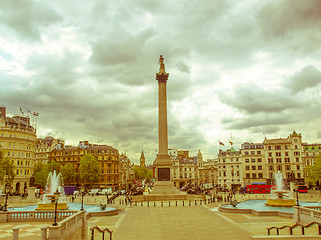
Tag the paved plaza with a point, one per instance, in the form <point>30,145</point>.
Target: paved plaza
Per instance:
<point>181,222</point>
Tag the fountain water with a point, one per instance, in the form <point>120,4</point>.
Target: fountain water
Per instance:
<point>280,196</point>
<point>54,183</point>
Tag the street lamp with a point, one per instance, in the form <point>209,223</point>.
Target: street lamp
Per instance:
<point>297,197</point>
<point>56,196</point>
<point>82,191</point>
<point>7,191</point>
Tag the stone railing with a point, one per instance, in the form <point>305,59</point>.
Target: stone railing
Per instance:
<point>307,214</point>
<point>73,227</point>
<point>22,216</point>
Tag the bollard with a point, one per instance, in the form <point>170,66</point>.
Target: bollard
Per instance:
<point>176,203</point>
<point>183,203</point>
<point>154,204</point>
<point>162,203</point>
<point>169,203</point>
<point>147,204</point>
<point>195,203</point>
<point>136,203</point>
<point>190,202</point>
<point>15,233</point>
<point>141,203</point>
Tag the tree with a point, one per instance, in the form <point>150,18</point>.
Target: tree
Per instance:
<point>149,174</point>
<point>314,171</point>
<point>89,169</point>
<point>6,169</point>
<point>68,173</point>
<point>41,172</point>
<point>140,172</point>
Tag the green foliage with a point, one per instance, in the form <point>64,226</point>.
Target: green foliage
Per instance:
<point>6,169</point>
<point>314,171</point>
<point>140,172</point>
<point>41,172</point>
<point>68,173</point>
<point>149,174</point>
<point>89,169</point>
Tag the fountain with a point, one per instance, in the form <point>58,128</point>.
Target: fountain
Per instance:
<point>48,202</point>
<point>280,197</point>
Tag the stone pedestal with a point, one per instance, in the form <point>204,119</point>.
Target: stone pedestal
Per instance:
<point>164,190</point>
<point>31,195</point>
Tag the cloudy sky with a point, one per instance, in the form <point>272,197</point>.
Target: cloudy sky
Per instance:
<point>238,69</point>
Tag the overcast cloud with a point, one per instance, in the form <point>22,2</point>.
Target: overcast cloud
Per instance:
<point>238,69</point>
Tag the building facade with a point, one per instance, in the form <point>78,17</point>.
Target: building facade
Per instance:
<point>18,141</point>
<point>107,157</point>
<point>284,155</point>
<point>253,163</point>
<point>230,169</point>
<point>45,146</point>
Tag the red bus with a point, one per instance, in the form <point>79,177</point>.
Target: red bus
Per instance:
<point>303,188</point>
<point>259,188</point>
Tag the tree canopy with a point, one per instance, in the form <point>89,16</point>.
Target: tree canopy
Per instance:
<point>68,173</point>
<point>6,169</point>
<point>89,169</point>
<point>140,172</point>
<point>314,171</point>
<point>41,172</point>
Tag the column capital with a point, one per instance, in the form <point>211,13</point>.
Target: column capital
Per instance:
<point>162,77</point>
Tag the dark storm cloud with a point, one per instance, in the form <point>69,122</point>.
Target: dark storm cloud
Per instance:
<point>251,98</point>
<point>26,17</point>
<point>278,18</point>
<point>308,77</point>
<point>258,120</point>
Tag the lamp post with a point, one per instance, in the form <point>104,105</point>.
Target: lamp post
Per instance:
<point>297,197</point>
<point>82,191</point>
<point>7,191</point>
<point>56,194</point>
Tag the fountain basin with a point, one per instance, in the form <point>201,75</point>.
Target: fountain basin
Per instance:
<point>51,206</point>
<point>277,202</point>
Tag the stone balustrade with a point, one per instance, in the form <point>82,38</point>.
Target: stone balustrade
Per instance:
<point>22,216</point>
<point>307,214</point>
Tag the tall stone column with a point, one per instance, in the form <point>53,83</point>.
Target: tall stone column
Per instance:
<point>162,163</point>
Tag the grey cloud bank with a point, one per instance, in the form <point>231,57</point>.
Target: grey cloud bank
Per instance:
<point>235,67</point>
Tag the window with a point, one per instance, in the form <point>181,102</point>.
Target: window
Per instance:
<point>224,174</point>
<point>259,167</point>
<point>287,160</point>
<point>258,152</point>
<point>278,147</point>
<point>278,160</point>
<point>287,167</point>
<point>247,175</point>
<point>298,167</point>
<point>270,160</point>
<point>253,167</point>
<point>270,154</point>
<point>247,160</point>
<point>247,167</point>
<point>269,148</point>
<point>259,160</point>
<point>296,146</point>
<point>278,154</point>
<point>297,159</point>
<point>253,175</point>
<point>252,152</point>
<point>299,175</point>
<point>286,147</point>
<point>260,175</point>
<point>246,153</point>
<point>286,154</point>
<point>271,168</point>
<point>252,159</point>
<point>279,167</point>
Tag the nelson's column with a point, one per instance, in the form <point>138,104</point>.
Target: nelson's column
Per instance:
<point>163,162</point>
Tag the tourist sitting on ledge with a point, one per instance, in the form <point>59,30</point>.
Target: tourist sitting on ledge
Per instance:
<point>233,203</point>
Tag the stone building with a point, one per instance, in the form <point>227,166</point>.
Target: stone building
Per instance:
<point>45,146</point>
<point>253,163</point>
<point>309,154</point>
<point>142,159</point>
<point>284,155</point>
<point>18,141</point>
<point>230,169</point>
<point>107,157</point>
